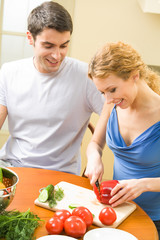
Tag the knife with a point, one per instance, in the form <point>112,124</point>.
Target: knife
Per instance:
<point>97,185</point>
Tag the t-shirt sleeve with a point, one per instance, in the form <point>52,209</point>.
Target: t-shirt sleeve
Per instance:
<point>2,88</point>
<point>94,97</point>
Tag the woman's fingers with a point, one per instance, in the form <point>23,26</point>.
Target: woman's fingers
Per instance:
<point>126,190</point>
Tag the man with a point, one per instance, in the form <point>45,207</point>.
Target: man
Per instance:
<point>48,98</point>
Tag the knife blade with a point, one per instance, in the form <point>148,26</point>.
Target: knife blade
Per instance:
<point>97,185</point>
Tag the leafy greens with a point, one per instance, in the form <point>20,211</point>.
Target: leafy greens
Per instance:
<point>15,225</point>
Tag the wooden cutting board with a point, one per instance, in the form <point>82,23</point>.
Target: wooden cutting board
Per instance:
<point>79,196</point>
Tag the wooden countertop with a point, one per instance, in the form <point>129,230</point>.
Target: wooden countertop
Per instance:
<point>31,180</point>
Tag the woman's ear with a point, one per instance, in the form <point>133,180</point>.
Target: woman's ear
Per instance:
<point>30,38</point>
<point>135,76</point>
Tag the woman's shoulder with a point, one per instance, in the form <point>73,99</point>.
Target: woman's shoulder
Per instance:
<point>155,107</point>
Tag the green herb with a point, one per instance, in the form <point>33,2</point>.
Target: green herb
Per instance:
<point>52,202</point>
<point>15,225</point>
<point>1,175</point>
<point>73,206</point>
<point>57,195</point>
<point>51,195</point>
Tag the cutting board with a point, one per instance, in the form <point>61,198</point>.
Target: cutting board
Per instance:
<point>79,196</point>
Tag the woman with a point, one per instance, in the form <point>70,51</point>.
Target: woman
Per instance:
<point>130,124</point>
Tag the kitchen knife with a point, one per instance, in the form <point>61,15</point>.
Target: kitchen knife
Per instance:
<point>97,185</point>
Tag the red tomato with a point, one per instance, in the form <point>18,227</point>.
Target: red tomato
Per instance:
<point>85,214</point>
<point>107,216</point>
<point>75,226</point>
<point>54,225</point>
<point>62,214</point>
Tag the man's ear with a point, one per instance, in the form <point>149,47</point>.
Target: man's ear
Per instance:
<point>30,38</point>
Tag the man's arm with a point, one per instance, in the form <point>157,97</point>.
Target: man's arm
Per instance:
<point>3,114</point>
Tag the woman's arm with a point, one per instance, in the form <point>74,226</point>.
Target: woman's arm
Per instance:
<point>94,169</point>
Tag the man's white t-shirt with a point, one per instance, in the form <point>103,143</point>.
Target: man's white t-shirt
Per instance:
<point>48,113</point>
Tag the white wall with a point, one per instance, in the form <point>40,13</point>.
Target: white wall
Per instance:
<point>98,21</point>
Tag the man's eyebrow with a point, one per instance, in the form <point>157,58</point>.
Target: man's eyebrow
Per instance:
<point>52,44</point>
<point>47,43</point>
<point>65,42</point>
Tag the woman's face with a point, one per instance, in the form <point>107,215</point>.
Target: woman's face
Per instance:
<point>118,91</point>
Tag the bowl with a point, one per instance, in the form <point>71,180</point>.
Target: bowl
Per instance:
<point>10,180</point>
<point>109,234</point>
<point>56,237</point>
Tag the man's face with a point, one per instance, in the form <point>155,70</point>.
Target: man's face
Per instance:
<point>50,48</point>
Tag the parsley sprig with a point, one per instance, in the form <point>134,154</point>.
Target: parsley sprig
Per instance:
<point>15,225</point>
<point>57,195</point>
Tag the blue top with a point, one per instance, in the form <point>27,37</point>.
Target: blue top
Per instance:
<point>139,160</point>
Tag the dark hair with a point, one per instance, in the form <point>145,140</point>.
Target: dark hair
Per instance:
<point>49,15</point>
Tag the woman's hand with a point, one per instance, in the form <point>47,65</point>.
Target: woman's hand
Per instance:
<point>127,190</point>
<point>94,169</point>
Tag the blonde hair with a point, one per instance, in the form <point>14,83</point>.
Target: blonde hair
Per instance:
<point>121,59</point>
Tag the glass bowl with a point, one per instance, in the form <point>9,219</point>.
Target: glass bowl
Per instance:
<point>10,180</point>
